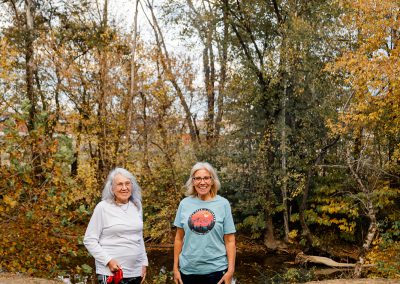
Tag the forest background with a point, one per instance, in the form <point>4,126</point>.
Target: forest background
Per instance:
<point>295,102</point>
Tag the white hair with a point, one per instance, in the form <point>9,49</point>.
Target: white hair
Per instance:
<point>136,194</point>
<point>203,166</point>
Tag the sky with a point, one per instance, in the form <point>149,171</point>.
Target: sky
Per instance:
<point>123,13</point>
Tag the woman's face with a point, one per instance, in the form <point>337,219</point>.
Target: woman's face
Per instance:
<point>202,183</point>
<point>122,188</point>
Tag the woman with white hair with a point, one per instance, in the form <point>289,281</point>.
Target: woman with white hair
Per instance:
<point>204,247</point>
<point>114,236</point>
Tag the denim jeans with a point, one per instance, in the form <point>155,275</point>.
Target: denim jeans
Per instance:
<point>134,280</point>
<point>211,278</point>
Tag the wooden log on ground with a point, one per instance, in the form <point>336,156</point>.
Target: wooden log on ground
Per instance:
<point>302,258</point>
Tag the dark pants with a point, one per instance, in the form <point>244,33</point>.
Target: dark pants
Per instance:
<point>135,280</point>
<point>211,278</point>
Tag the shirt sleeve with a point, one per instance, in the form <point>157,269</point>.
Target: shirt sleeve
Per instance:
<point>92,237</point>
<point>144,255</point>
<point>229,226</point>
<point>177,222</point>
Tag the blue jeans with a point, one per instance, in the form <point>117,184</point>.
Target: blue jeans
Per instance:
<point>211,278</point>
<point>134,280</point>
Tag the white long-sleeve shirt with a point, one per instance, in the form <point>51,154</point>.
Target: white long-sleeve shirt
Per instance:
<point>116,233</point>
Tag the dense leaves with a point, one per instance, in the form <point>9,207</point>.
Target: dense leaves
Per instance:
<point>296,103</point>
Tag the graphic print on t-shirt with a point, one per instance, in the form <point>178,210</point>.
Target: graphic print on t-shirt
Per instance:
<point>202,221</point>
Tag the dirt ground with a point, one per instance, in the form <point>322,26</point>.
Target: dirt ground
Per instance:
<point>356,281</point>
<point>7,278</point>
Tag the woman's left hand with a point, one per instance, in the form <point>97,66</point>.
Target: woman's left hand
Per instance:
<point>227,278</point>
<point>144,269</point>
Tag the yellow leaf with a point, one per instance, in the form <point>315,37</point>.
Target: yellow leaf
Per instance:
<point>9,201</point>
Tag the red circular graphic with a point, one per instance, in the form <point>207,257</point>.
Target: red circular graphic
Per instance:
<point>202,221</point>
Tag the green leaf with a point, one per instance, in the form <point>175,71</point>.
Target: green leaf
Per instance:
<point>86,268</point>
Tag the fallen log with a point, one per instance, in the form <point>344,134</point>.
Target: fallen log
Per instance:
<point>302,258</point>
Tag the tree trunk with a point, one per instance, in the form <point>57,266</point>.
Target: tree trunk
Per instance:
<point>283,164</point>
<point>102,162</point>
<point>222,81</point>
<point>303,206</point>
<point>30,91</point>
<point>284,75</point>
<point>133,83</point>
<point>29,67</point>
<point>205,22</point>
<point>146,165</point>
<point>373,226</point>
<point>209,83</point>
<point>269,238</point>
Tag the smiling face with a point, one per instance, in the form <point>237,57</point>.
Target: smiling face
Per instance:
<point>202,182</point>
<point>122,188</point>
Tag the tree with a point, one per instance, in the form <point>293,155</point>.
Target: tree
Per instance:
<point>209,22</point>
<point>371,122</point>
<point>168,65</point>
<point>276,44</point>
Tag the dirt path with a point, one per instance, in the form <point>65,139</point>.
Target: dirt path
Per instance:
<point>8,278</point>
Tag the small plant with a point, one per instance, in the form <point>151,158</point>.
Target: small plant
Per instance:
<point>162,277</point>
<point>293,275</point>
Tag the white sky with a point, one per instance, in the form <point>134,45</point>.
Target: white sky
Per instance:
<point>123,13</point>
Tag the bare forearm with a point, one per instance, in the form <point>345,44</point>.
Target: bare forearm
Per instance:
<point>178,244</point>
<point>177,251</point>
<point>230,245</point>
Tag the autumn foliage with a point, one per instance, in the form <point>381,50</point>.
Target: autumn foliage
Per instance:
<point>296,103</point>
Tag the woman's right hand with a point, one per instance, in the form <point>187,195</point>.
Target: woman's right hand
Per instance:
<point>113,265</point>
<point>177,277</point>
<point>178,244</point>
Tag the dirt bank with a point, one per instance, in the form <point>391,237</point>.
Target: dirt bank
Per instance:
<point>356,281</point>
<point>8,278</point>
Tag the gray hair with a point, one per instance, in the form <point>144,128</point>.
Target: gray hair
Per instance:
<point>190,190</point>
<point>108,194</point>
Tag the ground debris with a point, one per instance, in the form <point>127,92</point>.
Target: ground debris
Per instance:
<point>11,278</point>
<point>357,281</point>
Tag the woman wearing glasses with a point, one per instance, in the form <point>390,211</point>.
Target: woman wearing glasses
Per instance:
<point>204,247</point>
<point>114,236</point>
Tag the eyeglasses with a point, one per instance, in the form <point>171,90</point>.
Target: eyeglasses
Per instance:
<point>122,184</point>
<point>199,179</point>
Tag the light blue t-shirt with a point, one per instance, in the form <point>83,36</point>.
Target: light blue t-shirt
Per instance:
<point>205,223</point>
